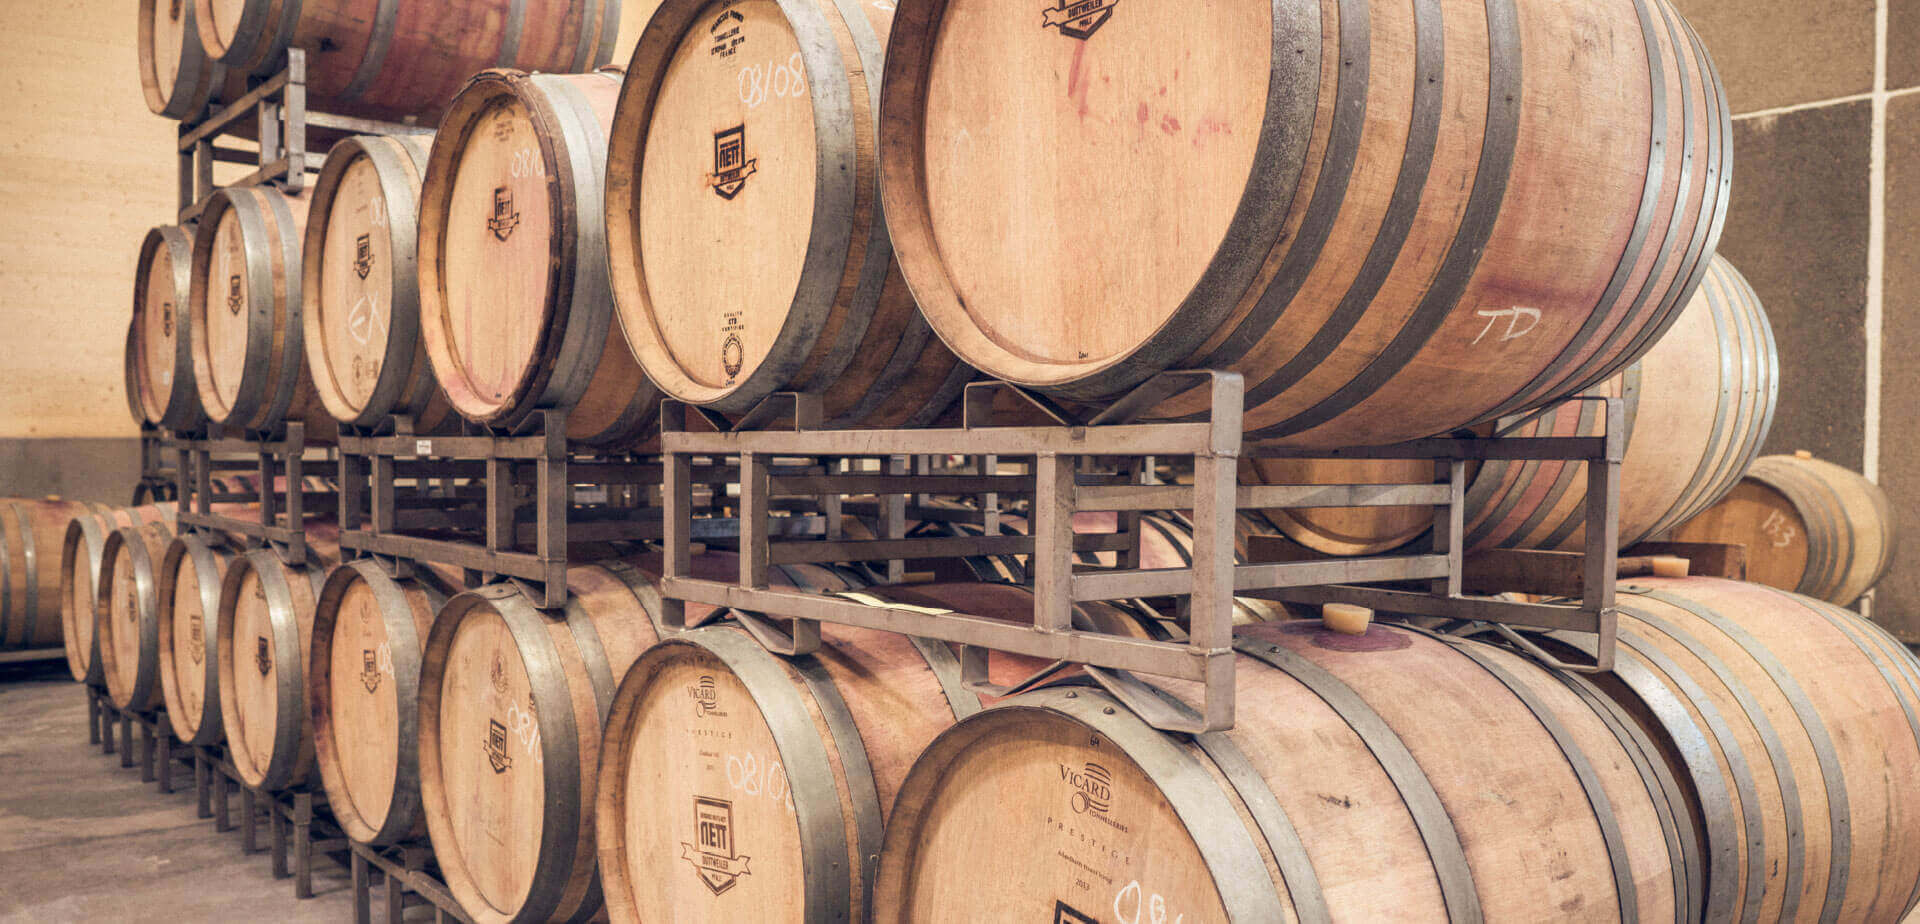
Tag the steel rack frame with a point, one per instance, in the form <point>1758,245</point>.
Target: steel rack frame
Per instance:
<point>1059,488</point>
<point>157,481</point>
<point>281,521</point>
<point>408,883</point>
<point>496,539</point>
<point>279,106</point>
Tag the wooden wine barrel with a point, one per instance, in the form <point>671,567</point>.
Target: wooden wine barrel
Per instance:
<point>264,633</point>
<point>162,376</point>
<point>190,581</point>
<point>514,308</point>
<point>82,553</point>
<point>362,311</point>
<point>1796,722</point>
<point>509,724</point>
<point>244,312</point>
<point>395,60</point>
<point>1698,408</point>
<point>737,785</point>
<point>759,132</point>
<point>362,691</point>
<point>127,624</point>
<point>1347,210</point>
<point>1809,526</point>
<point>32,593</point>
<point>1346,791</point>
<point>177,74</point>
<point>1704,396</point>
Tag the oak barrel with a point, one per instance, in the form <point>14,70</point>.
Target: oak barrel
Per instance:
<point>1361,208</point>
<point>127,622</point>
<point>176,73</point>
<point>1347,790</point>
<point>754,123</point>
<point>32,588</point>
<point>263,635</point>
<point>1702,400</point>
<point>162,375</point>
<point>1796,722</point>
<point>1698,407</point>
<point>360,280</point>
<point>509,721</point>
<point>736,785</point>
<point>362,690</point>
<point>389,60</point>
<point>1809,526</point>
<point>85,529</point>
<point>244,314</point>
<point>190,580</point>
<point>514,307</point>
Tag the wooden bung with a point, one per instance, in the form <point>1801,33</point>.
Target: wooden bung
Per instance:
<point>245,329</point>
<point>1792,722</point>
<point>514,308</point>
<point>76,584</point>
<point>1697,408</point>
<point>162,376</point>
<point>190,580</point>
<point>1346,790</point>
<point>736,785</point>
<point>392,60</point>
<point>1809,526</point>
<point>1349,204</point>
<point>176,73</point>
<point>509,723</point>
<point>360,282</point>
<point>127,625</point>
<point>754,123</point>
<point>32,589</point>
<point>363,682</point>
<point>263,635</point>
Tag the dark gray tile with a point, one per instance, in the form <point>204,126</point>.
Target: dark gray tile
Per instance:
<point>1780,52</point>
<point>1798,230</point>
<point>1903,44</point>
<point>1899,599</point>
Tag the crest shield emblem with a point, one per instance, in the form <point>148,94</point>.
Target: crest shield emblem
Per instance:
<point>369,670</point>
<point>713,853</point>
<point>235,295</point>
<point>363,255</point>
<point>497,747</point>
<point>1077,18</point>
<point>731,165</point>
<point>505,216</point>
<point>263,655</point>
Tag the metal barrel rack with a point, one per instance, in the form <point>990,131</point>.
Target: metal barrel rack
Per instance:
<point>1061,482</point>
<point>278,106</point>
<point>278,460</point>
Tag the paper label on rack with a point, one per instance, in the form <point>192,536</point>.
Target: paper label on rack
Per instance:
<point>423,447</point>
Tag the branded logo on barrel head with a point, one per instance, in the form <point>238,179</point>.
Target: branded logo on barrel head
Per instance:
<point>173,10</point>
<point>369,670</point>
<point>725,33</point>
<point>706,697</point>
<point>1077,18</point>
<point>499,674</point>
<point>234,297</point>
<point>166,319</point>
<point>263,655</point>
<point>505,216</point>
<point>363,255</point>
<point>1092,787</point>
<point>497,747</point>
<point>733,356</point>
<point>731,165</point>
<point>1064,913</point>
<point>198,636</point>
<point>712,854</point>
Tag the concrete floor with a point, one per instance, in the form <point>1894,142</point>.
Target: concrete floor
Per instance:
<point>83,840</point>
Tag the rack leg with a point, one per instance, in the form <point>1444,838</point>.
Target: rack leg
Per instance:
<point>202,786</point>
<point>126,740</point>
<point>93,717</point>
<point>303,845</point>
<point>396,893</point>
<point>146,753</point>
<point>249,821</point>
<point>166,756</point>
<point>277,837</point>
<point>362,899</point>
<point>222,818</point>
